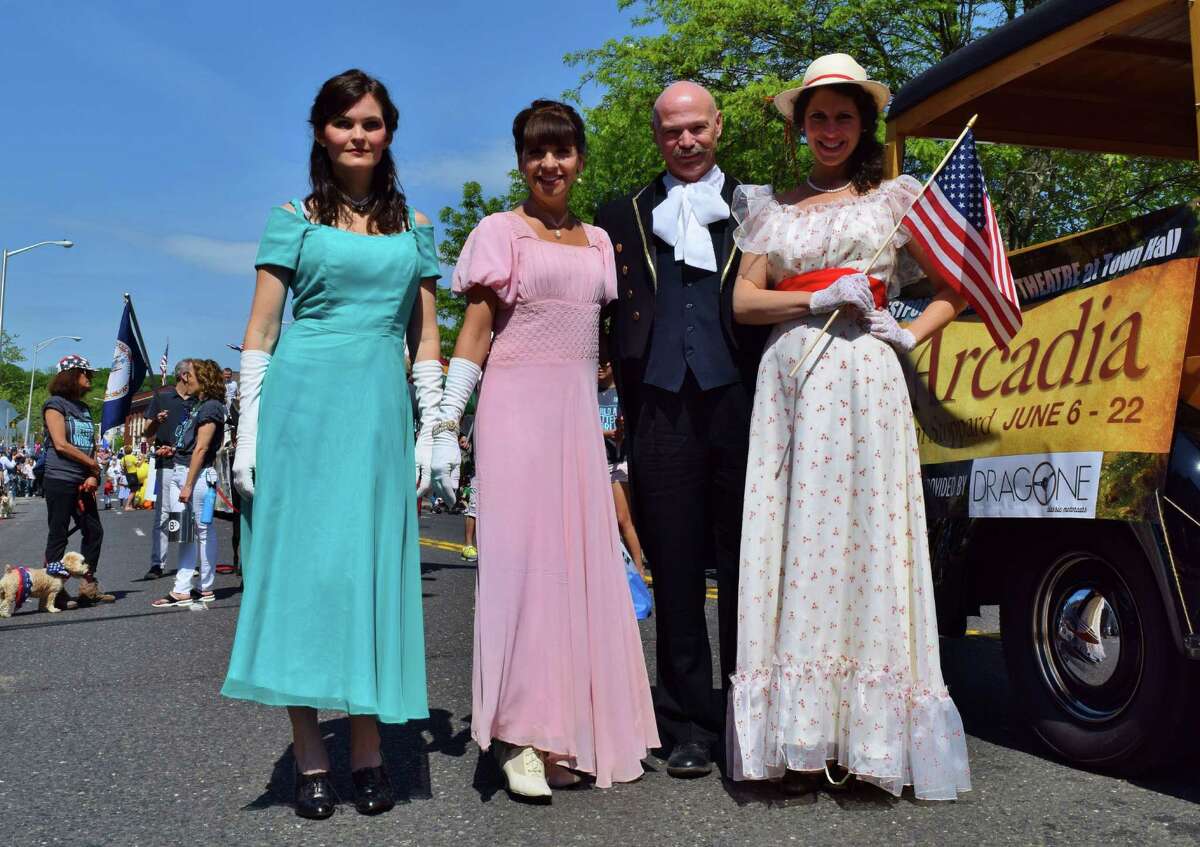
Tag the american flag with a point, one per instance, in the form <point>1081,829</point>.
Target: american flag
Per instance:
<point>954,222</point>
<point>162,363</point>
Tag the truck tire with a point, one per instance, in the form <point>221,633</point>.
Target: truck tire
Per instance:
<point>1090,656</point>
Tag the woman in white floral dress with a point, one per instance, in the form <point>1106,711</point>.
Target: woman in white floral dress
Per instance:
<point>838,665</point>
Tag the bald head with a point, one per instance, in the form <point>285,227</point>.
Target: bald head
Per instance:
<point>684,94</point>
<point>687,126</point>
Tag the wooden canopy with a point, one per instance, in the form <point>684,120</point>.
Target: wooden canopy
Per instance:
<point>1113,76</point>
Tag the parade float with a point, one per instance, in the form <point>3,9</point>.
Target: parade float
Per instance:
<point>1062,475</point>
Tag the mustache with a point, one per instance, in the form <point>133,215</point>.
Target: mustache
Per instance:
<point>679,152</point>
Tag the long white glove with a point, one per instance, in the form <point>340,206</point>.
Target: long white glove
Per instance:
<point>849,290</point>
<point>883,326</point>
<point>253,368</point>
<point>461,378</point>
<point>427,379</point>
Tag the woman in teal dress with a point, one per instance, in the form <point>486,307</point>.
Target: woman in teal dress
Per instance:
<point>331,607</point>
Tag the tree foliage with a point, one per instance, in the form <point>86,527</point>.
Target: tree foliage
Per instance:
<point>14,388</point>
<point>745,51</point>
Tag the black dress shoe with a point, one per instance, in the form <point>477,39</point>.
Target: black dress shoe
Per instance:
<point>689,760</point>
<point>315,797</point>
<point>372,791</point>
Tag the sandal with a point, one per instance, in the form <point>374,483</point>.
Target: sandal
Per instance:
<point>169,599</point>
<point>205,596</point>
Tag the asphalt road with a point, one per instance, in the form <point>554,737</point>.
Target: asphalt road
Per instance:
<point>115,733</point>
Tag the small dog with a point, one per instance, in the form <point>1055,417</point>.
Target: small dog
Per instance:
<point>6,505</point>
<point>19,584</point>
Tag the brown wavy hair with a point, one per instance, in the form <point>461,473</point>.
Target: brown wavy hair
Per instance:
<point>210,383</point>
<point>388,211</point>
<point>66,384</point>
<point>865,165</point>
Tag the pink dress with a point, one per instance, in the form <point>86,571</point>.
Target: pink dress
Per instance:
<point>558,656</point>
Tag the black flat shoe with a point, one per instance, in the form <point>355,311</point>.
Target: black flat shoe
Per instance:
<point>372,791</point>
<point>689,760</point>
<point>315,797</point>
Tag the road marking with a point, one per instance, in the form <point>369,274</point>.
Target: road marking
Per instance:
<point>980,633</point>
<point>442,545</point>
<point>453,547</point>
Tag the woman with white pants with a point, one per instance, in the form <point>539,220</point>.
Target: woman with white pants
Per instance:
<point>197,439</point>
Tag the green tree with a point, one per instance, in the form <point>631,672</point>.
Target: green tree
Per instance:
<point>459,222</point>
<point>746,50</point>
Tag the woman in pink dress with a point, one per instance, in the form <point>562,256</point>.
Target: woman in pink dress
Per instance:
<point>560,685</point>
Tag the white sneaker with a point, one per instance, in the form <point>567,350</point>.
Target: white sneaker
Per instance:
<point>524,770</point>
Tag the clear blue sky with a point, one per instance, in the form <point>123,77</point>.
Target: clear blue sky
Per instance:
<point>157,136</point>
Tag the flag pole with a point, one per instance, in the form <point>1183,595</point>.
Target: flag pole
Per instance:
<point>887,241</point>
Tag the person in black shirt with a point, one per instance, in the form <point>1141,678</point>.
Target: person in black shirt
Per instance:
<point>168,408</point>
<point>71,473</point>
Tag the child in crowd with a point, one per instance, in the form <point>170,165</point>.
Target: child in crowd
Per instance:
<point>612,422</point>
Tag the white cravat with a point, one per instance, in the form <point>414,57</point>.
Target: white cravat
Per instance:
<point>682,219</point>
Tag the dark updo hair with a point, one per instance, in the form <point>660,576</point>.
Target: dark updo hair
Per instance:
<point>388,211</point>
<point>865,165</point>
<point>545,123</point>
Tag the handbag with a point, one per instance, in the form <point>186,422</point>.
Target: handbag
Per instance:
<point>642,602</point>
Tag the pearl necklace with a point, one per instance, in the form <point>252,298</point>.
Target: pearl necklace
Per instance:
<point>557,227</point>
<point>815,187</point>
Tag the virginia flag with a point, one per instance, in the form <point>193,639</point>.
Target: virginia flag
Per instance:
<point>129,369</point>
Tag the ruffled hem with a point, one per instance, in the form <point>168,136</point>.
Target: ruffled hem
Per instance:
<point>873,721</point>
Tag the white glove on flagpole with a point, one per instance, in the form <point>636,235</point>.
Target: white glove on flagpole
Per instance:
<point>253,369</point>
<point>427,379</point>
<point>849,290</point>
<point>461,378</point>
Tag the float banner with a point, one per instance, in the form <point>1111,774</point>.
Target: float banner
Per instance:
<point>1093,376</point>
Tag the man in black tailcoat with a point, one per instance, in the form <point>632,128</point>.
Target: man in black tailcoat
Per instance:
<point>685,375</point>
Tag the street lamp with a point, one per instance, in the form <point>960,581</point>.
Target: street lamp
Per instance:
<point>4,254</point>
<point>37,348</point>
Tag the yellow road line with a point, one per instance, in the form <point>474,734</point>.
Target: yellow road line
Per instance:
<point>442,545</point>
<point>452,547</point>
<point>983,634</point>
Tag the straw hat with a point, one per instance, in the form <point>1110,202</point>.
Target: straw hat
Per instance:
<point>833,69</point>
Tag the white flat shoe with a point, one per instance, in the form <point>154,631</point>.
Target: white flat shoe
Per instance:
<point>559,777</point>
<point>524,770</point>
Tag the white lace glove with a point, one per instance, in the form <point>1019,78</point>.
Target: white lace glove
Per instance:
<point>447,457</point>
<point>881,324</point>
<point>427,380</point>
<point>849,290</point>
<point>253,369</point>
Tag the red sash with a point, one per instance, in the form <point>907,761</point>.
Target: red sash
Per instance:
<point>818,280</point>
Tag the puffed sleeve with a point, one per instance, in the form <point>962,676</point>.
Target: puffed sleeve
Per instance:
<point>427,258</point>
<point>900,193</point>
<point>488,258</point>
<point>756,225</point>
<point>610,266</point>
<point>280,244</point>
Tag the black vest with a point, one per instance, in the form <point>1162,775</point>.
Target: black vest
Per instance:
<point>687,334</point>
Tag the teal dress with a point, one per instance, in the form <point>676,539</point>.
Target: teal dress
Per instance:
<point>331,602</point>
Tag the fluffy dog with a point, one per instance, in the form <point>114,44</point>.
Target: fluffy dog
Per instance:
<point>19,584</point>
<point>6,505</point>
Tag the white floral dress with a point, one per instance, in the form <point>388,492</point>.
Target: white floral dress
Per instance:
<point>837,636</point>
